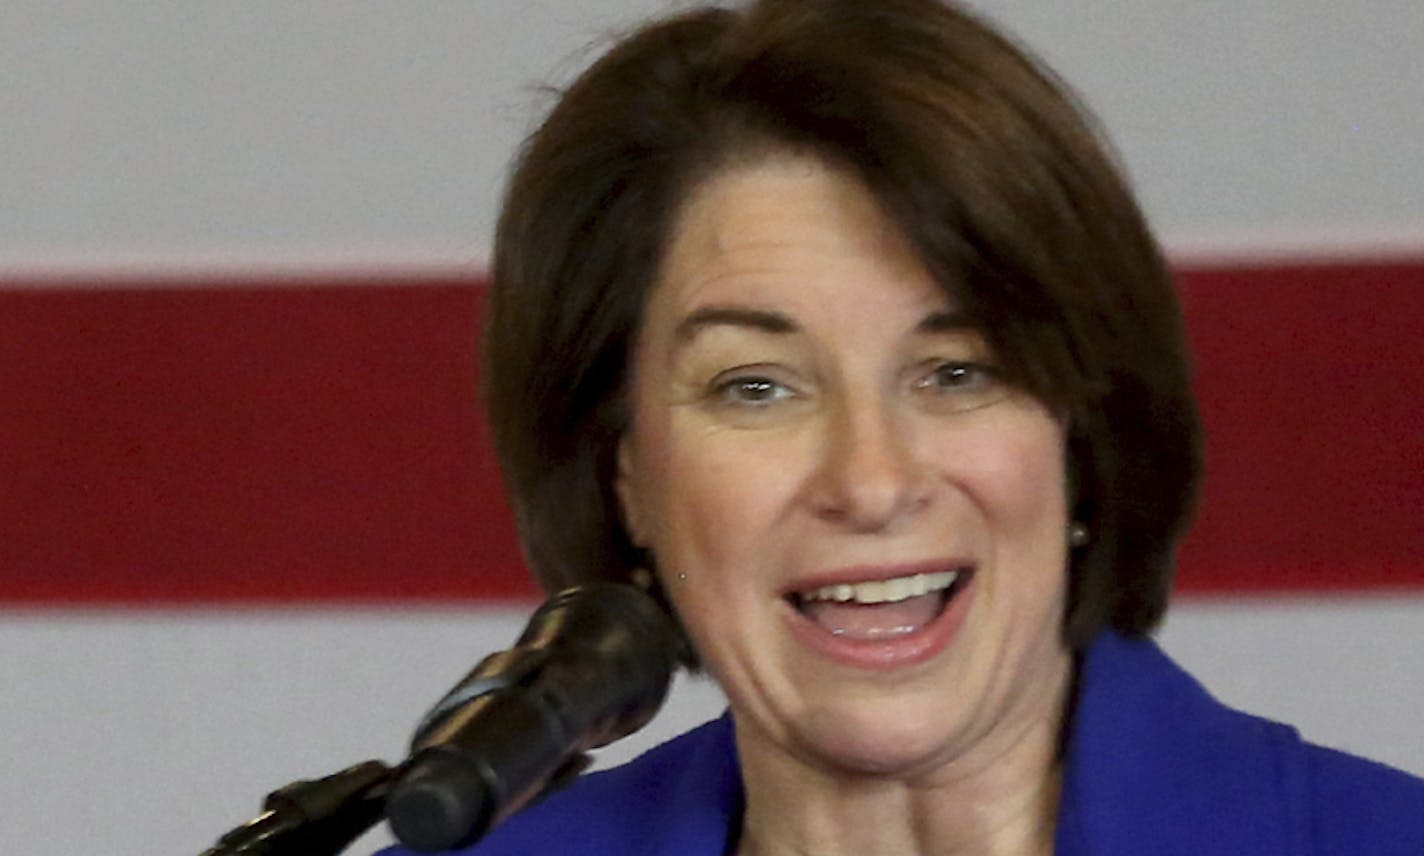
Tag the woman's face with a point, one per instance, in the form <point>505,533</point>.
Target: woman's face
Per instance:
<point>860,526</point>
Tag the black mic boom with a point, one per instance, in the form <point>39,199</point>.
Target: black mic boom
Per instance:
<point>593,665</point>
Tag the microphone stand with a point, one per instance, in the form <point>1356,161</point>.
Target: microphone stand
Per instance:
<point>593,665</point>
<point>321,817</point>
<point>314,817</point>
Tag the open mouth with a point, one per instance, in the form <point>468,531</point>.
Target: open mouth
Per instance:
<point>881,609</point>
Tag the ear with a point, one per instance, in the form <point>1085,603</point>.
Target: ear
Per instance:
<point>625,485</point>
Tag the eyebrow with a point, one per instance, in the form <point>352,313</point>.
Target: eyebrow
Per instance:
<point>733,316</point>
<point>945,321</point>
<point>941,321</point>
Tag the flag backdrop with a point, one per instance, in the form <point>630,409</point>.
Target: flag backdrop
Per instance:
<point>249,522</point>
<point>256,442</point>
<point>251,527</point>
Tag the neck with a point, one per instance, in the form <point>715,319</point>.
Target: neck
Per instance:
<point>1000,796</point>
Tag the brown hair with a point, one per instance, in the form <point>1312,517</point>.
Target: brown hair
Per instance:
<point>989,166</point>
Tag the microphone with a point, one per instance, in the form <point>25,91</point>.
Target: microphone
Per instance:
<point>593,665</point>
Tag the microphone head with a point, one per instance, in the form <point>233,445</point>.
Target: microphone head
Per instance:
<point>621,634</point>
<point>593,665</point>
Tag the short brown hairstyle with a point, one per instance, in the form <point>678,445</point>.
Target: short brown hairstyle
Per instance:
<point>988,165</point>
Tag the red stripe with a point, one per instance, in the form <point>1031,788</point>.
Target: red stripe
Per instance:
<point>1311,385</point>
<point>315,442</point>
<point>247,444</point>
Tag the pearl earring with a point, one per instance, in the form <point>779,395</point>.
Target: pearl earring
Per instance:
<point>1077,534</point>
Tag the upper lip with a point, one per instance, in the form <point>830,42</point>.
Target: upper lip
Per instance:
<point>874,573</point>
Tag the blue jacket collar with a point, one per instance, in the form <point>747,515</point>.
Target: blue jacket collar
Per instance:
<point>1155,765</point>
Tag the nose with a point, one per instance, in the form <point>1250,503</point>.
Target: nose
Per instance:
<point>869,477</point>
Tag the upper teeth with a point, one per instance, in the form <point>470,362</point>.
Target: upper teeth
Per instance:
<point>885,591</point>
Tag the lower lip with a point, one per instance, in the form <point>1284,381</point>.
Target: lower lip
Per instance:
<point>891,653</point>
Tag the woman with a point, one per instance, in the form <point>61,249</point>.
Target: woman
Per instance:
<point>834,323</point>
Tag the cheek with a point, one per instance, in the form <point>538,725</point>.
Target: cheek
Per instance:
<point>711,542</point>
<point>1019,478</point>
<point>706,495</point>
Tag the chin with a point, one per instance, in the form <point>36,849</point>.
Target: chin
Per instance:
<point>886,741</point>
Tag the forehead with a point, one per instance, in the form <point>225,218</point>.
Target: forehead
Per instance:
<point>788,230</point>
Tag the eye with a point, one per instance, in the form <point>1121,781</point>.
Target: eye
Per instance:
<point>957,375</point>
<point>750,391</point>
<point>961,384</point>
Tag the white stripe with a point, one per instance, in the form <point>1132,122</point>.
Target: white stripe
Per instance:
<point>154,732</point>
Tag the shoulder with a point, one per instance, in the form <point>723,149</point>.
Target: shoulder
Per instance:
<point>1360,806</point>
<point>1152,757</point>
<point>678,797</point>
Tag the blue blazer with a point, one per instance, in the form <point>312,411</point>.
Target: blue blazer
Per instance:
<point>1154,766</point>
